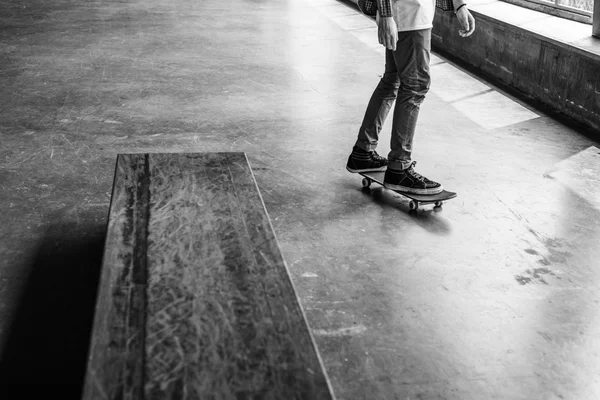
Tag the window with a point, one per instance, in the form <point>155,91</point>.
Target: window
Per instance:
<point>577,5</point>
<point>578,10</point>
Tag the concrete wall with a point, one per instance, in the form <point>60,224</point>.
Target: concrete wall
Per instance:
<point>562,77</point>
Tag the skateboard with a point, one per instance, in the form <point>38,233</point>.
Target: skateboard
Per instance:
<point>415,199</point>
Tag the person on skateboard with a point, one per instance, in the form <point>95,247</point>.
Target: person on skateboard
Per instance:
<point>404,28</point>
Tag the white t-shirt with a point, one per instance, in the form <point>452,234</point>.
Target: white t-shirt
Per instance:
<point>412,15</point>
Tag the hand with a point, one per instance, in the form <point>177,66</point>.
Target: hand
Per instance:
<point>467,22</point>
<point>388,32</point>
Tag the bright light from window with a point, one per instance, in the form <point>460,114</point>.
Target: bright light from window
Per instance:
<point>586,5</point>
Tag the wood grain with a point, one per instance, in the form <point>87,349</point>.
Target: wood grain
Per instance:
<point>193,272</point>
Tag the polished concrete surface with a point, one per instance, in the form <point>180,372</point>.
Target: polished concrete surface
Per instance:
<point>495,296</point>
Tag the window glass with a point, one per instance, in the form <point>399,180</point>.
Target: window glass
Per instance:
<point>586,5</point>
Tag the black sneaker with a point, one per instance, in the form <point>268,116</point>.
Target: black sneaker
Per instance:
<point>365,161</point>
<point>408,180</point>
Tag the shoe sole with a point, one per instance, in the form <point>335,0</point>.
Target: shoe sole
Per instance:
<point>355,171</point>
<point>399,188</point>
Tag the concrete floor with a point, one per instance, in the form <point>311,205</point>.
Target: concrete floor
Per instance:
<point>496,296</point>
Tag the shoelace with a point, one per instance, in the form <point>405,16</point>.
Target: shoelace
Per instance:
<point>376,157</point>
<point>413,173</point>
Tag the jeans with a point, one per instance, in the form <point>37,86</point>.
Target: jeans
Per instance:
<point>406,80</point>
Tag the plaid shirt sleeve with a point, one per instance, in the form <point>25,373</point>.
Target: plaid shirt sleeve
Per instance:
<point>385,8</point>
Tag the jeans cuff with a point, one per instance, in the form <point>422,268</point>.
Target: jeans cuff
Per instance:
<point>366,146</point>
<point>398,165</point>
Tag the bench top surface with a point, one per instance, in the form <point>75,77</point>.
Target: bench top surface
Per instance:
<point>195,295</point>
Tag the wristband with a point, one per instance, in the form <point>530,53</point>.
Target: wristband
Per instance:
<point>459,7</point>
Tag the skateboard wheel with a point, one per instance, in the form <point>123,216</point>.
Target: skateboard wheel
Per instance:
<point>439,203</point>
<point>413,205</point>
<point>366,182</point>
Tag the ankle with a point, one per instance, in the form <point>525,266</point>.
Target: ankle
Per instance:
<point>401,165</point>
<point>360,150</point>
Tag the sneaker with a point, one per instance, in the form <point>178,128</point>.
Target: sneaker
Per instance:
<point>365,161</point>
<point>408,180</point>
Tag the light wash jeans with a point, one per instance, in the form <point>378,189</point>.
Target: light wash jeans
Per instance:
<point>406,80</point>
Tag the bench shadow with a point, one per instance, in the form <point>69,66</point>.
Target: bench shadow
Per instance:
<point>49,337</point>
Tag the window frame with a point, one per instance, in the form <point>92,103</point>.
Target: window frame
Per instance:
<point>596,19</point>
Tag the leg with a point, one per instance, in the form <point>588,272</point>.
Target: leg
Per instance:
<point>379,106</point>
<point>412,61</point>
<point>363,157</point>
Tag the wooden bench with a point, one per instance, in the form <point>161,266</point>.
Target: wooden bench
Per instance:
<point>195,300</point>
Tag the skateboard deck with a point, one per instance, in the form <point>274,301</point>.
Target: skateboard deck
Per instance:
<point>415,199</point>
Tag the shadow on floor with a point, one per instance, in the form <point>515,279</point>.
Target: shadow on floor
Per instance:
<point>49,337</point>
<point>425,216</point>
